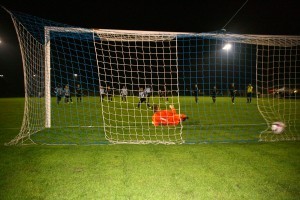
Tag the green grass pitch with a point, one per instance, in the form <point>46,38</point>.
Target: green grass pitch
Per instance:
<point>206,171</point>
<point>87,122</point>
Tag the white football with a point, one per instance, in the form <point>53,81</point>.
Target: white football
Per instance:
<point>278,127</point>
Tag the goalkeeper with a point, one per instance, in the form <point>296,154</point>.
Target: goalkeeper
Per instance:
<point>167,117</point>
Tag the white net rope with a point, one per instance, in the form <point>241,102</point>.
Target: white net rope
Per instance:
<point>112,79</point>
<point>277,84</point>
<point>263,40</point>
<point>32,53</point>
<point>277,70</point>
<point>133,68</point>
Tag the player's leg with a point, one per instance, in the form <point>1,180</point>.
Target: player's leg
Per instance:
<point>140,101</point>
<point>247,97</point>
<point>148,105</point>
<point>250,97</point>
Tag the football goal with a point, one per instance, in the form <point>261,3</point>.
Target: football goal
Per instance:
<point>97,86</point>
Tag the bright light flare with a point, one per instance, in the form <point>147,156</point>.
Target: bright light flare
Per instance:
<point>227,47</point>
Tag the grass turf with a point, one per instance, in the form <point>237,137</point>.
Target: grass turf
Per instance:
<point>83,123</point>
<point>207,171</point>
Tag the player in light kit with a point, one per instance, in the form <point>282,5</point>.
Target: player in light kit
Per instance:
<point>167,117</point>
<point>148,93</point>
<point>102,93</point>
<point>142,96</point>
<point>68,98</point>
<point>124,93</point>
<point>59,93</point>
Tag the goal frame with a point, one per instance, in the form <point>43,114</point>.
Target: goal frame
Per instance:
<point>47,44</point>
<point>48,30</point>
<point>269,40</point>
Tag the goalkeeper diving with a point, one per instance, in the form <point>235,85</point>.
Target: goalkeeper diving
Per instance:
<point>167,117</point>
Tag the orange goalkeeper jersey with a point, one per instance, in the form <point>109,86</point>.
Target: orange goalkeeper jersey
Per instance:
<point>167,117</point>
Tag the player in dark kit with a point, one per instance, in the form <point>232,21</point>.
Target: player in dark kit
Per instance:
<point>232,93</point>
<point>214,94</point>
<point>109,93</point>
<point>78,92</point>
<point>196,93</point>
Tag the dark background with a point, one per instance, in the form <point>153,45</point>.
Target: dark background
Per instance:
<point>256,17</point>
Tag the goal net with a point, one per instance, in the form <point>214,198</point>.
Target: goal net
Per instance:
<point>95,86</point>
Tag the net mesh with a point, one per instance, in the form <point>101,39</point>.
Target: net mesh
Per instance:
<point>95,86</point>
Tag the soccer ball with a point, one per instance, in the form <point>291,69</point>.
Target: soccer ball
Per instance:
<point>278,127</point>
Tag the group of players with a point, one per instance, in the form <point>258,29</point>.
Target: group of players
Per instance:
<point>160,117</point>
<point>232,92</point>
<point>143,94</point>
<point>66,93</point>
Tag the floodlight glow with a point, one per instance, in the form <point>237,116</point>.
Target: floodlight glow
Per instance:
<point>227,47</point>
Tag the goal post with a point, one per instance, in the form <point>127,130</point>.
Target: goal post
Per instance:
<point>47,32</point>
<point>47,80</point>
<point>95,86</point>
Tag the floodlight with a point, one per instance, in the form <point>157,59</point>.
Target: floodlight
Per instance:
<point>227,46</point>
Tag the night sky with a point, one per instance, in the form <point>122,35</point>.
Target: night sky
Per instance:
<point>272,17</point>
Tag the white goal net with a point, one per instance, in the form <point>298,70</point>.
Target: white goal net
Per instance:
<point>95,86</point>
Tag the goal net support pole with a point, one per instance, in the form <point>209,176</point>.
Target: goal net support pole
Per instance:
<point>47,79</point>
